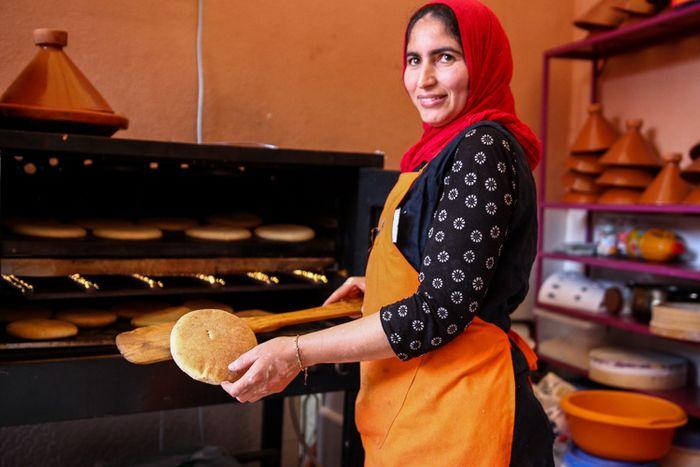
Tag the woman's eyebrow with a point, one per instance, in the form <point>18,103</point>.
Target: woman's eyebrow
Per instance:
<point>436,51</point>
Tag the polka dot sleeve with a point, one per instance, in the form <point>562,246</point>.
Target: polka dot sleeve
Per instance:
<point>467,233</point>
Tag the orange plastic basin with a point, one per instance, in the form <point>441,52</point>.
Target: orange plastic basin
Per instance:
<point>622,425</point>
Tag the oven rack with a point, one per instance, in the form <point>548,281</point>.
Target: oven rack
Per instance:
<point>116,286</point>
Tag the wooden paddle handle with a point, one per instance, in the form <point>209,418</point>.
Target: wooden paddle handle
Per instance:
<point>278,320</point>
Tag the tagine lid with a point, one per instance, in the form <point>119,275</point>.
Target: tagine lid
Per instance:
<point>601,16</point>
<point>632,149</point>
<point>52,93</point>
<point>668,187</point>
<point>596,135</point>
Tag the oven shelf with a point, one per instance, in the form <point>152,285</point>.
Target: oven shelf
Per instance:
<point>671,270</point>
<point>60,288</point>
<point>170,246</point>
<point>687,397</point>
<point>618,322</point>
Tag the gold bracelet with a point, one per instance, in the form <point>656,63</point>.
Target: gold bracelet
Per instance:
<point>301,367</point>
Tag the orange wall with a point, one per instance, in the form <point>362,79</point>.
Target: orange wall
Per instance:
<point>308,74</point>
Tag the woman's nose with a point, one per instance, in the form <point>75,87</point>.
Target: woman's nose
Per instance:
<point>426,77</point>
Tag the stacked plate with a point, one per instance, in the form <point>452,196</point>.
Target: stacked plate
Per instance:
<point>636,369</point>
<point>676,320</point>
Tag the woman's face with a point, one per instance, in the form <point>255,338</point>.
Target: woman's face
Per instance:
<point>436,75</point>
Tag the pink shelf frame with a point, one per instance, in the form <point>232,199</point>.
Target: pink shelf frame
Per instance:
<point>687,397</point>
<point>689,209</point>
<point>669,270</point>
<point>618,322</point>
<point>669,25</point>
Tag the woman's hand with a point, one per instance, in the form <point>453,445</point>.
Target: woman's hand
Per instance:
<point>268,368</point>
<point>353,287</point>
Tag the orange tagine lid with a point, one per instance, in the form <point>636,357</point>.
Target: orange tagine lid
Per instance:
<point>597,134</point>
<point>632,149</point>
<point>52,94</point>
<point>668,187</point>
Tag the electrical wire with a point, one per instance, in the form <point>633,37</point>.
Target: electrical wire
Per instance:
<point>200,71</point>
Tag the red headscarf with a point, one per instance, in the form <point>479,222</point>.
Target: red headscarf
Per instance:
<point>490,66</point>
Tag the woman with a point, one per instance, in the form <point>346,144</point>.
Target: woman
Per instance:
<point>441,381</point>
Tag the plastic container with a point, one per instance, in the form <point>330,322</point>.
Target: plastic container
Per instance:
<point>575,457</point>
<point>621,425</point>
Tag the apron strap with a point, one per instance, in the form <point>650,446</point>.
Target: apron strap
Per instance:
<point>530,356</point>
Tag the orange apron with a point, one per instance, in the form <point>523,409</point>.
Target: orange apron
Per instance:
<point>454,406</point>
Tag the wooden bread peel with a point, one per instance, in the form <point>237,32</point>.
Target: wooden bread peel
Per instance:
<point>151,344</point>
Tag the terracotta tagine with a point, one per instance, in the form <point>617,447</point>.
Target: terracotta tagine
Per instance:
<point>52,94</point>
<point>620,196</point>
<point>692,172</point>
<point>575,197</point>
<point>693,197</point>
<point>625,177</point>
<point>635,7</point>
<point>586,164</point>
<point>632,150</point>
<point>596,135</point>
<point>668,187</point>
<point>601,17</point>
<point>580,183</point>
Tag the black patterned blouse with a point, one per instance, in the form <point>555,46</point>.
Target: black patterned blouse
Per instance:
<point>456,224</point>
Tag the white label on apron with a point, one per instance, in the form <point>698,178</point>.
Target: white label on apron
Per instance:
<point>395,226</point>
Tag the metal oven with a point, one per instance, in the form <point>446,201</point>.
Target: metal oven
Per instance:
<point>69,177</point>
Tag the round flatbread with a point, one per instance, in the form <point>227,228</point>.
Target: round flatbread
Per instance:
<point>167,315</point>
<point>41,329</point>
<point>169,224</point>
<point>242,220</point>
<point>128,232</point>
<point>285,232</point>
<point>129,310</point>
<point>49,229</point>
<point>19,312</point>
<point>204,342</point>
<point>87,317</point>
<point>202,303</point>
<point>92,223</point>
<point>219,233</point>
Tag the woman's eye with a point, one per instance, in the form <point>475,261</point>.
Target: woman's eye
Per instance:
<point>446,58</point>
<point>412,61</point>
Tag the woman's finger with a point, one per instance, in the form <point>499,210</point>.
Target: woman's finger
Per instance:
<point>348,289</point>
<point>244,361</point>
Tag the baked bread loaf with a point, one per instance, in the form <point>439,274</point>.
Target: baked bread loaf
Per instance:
<point>218,233</point>
<point>41,329</point>
<point>129,310</point>
<point>167,315</point>
<point>128,232</point>
<point>87,317</point>
<point>204,342</point>
<point>49,229</point>
<point>202,303</point>
<point>285,232</point>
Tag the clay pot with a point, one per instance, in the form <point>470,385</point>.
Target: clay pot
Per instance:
<point>580,183</point>
<point>575,197</point>
<point>693,197</point>
<point>601,17</point>
<point>668,187</point>
<point>620,196</point>
<point>635,7</point>
<point>51,94</point>
<point>632,150</point>
<point>597,134</point>
<point>625,177</point>
<point>586,164</point>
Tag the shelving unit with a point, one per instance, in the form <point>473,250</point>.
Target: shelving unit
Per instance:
<point>667,26</point>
